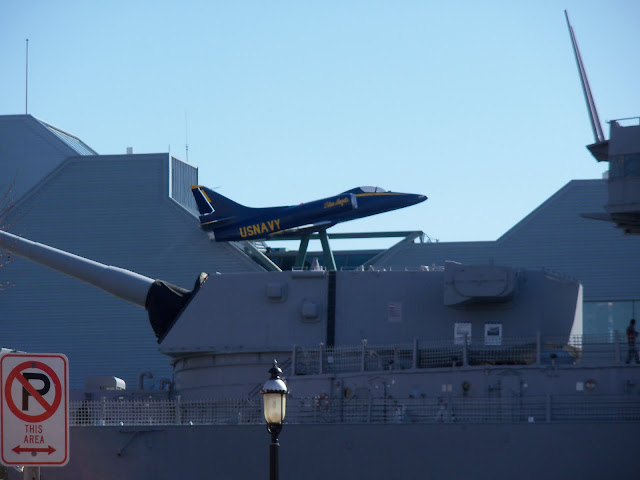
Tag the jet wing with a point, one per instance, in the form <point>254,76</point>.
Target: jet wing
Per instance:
<point>310,228</point>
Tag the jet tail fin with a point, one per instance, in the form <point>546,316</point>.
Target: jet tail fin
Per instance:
<point>209,201</point>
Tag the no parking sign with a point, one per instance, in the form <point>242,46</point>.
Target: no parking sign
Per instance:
<point>35,412</point>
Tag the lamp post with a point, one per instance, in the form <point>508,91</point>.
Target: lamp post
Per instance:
<point>274,394</point>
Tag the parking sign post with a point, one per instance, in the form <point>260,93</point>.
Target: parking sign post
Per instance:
<point>34,411</point>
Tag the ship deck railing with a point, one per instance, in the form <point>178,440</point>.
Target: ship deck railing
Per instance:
<point>584,350</point>
<point>319,410</point>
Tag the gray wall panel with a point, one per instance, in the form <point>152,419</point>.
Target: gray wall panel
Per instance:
<point>436,451</point>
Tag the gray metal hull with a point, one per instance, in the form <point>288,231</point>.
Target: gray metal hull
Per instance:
<point>451,451</point>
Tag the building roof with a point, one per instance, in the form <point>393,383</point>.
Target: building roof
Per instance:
<point>75,143</point>
<point>31,149</point>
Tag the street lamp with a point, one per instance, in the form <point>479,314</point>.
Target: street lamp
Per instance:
<point>274,394</point>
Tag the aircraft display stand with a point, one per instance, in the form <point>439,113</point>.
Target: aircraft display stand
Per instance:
<point>329,260</point>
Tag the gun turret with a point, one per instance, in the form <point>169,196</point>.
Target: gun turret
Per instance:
<point>162,300</point>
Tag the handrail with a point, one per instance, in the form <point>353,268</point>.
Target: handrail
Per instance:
<point>323,410</point>
<point>585,349</point>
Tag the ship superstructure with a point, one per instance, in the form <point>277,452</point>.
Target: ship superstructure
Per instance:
<point>622,151</point>
<point>448,357</point>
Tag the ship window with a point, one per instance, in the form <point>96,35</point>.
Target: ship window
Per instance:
<point>632,165</point>
<point>460,331</point>
<point>608,317</point>
<point>394,312</point>
<point>627,166</point>
<point>493,333</point>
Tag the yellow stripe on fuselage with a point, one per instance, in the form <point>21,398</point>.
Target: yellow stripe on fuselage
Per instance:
<point>376,193</point>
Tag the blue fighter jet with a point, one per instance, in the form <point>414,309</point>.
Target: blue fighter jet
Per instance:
<point>227,220</point>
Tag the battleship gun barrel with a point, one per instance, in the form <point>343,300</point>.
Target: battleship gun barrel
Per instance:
<point>124,284</point>
<point>162,300</point>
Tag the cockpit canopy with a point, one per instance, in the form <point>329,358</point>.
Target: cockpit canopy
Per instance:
<point>358,190</point>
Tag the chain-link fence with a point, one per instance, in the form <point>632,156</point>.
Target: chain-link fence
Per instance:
<point>322,409</point>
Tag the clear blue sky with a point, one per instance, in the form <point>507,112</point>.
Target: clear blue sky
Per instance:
<point>477,105</point>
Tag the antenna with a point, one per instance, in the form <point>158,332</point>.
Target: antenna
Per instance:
<point>591,105</point>
<point>186,136</point>
<point>26,82</point>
